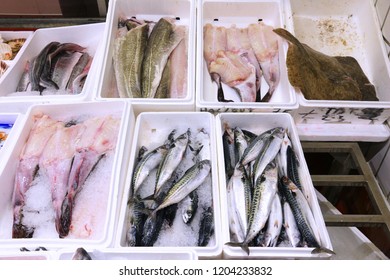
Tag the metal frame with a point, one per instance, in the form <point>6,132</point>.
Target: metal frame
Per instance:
<point>366,179</point>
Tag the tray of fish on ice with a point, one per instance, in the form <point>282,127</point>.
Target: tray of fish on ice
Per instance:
<point>240,60</point>
<point>81,253</point>
<point>66,160</point>
<point>149,54</point>
<point>338,64</point>
<point>10,124</point>
<point>56,64</point>
<point>11,44</point>
<point>171,198</point>
<point>268,203</point>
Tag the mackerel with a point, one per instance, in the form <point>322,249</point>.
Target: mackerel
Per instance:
<point>240,142</point>
<point>190,206</point>
<point>264,193</point>
<point>274,223</point>
<point>136,219</point>
<point>162,41</point>
<point>128,57</point>
<point>229,153</point>
<point>206,227</point>
<point>238,195</point>
<point>191,179</point>
<point>290,225</point>
<point>148,162</point>
<point>171,161</point>
<point>282,156</point>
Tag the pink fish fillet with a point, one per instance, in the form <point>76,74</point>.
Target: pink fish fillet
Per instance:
<point>214,40</point>
<point>265,45</point>
<point>179,67</point>
<point>238,40</point>
<point>56,162</point>
<point>99,136</point>
<point>43,129</point>
<point>237,72</point>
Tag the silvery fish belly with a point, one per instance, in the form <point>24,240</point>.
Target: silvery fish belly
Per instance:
<point>274,223</point>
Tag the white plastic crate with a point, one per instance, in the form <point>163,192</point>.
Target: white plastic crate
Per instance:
<point>151,130</point>
<point>258,123</point>
<point>89,36</point>
<point>241,14</point>
<point>184,12</point>
<point>345,28</point>
<point>110,183</point>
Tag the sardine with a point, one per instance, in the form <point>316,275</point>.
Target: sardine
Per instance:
<point>128,56</point>
<point>163,39</point>
<point>263,196</point>
<point>191,205</point>
<point>191,179</point>
<point>274,224</point>
<point>149,162</point>
<point>81,254</point>
<point>171,160</point>
<point>206,227</point>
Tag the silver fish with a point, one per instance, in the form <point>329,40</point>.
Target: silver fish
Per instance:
<point>191,179</point>
<point>274,224</point>
<point>264,193</point>
<point>282,156</point>
<point>290,225</point>
<point>191,205</point>
<point>240,142</point>
<point>171,160</point>
<point>148,162</point>
<point>162,40</point>
<point>238,195</point>
<point>229,153</point>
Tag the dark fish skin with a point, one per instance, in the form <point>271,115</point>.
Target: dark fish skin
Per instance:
<point>81,254</point>
<point>229,152</point>
<point>137,219</point>
<point>152,228</point>
<point>292,167</point>
<point>38,65</point>
<point>302,225</point>
<point>206,229</point>
<point>21,231</point>
<point>190,212</point>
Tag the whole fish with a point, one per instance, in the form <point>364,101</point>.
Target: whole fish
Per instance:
<point>263,196</point>
<point>162,41</point>
<point>152,228</point>
<point>240,143</point>
<point>256,145</point>
<point>38,64</point>
<point>238,198</point>
<point>293,167</point>
<point>136,222</point>
<point>148,162</point>
<point>268,153</point>
<point>282,156</point>
<point>229,153</point>
<point>128,56</point>
<point>191,179</point>
<point>303,215</point>
<point>81,254</point>
<point>290,225</point>
<point>190,207</point>
<point>274,224</point>
<point>171,160</point>
<point>206,227</point>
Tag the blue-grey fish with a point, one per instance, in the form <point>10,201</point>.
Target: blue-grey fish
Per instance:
<point>190,207</point>
<point>136,220</point>
<point>206,227</point>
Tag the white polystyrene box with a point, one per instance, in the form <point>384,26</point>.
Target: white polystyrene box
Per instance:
<point>343,28</point>
<point>151,130</point>
<point>88,36</point>
<point>185,14</point>
<point>122,254</point>
<point>11,35</point>
<point>110,182</point>
<point>258,123</point>
<point>241,14</point>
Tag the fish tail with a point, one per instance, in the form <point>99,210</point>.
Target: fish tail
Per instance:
<point>319,250</point>
<point>244,245</point>
<point>65,217</point>
<point>289,37</point>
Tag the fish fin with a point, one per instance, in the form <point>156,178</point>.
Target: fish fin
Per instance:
<point>322,250</point>
<point>244,246</point>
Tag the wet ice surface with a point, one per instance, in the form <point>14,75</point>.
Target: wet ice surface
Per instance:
<point>88,220</point>
<point>179,233</point>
